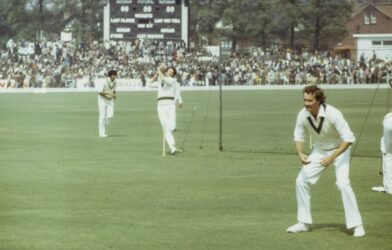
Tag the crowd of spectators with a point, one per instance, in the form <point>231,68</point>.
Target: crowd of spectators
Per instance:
<point>70,64</point>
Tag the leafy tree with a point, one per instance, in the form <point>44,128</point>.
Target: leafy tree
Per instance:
<point>15,17</point>
<point>250,19</point>
<point>260,22</point>
<point>325,19</point>
<point>316,22</point>
<point>204,14</point>
<point>89,15</point>
<point>26,19</point>
<point>288,15</point>
<point>49,15</point>
<point>206,18</point>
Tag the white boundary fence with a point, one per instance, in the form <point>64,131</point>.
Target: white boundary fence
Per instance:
<point>137,88</point>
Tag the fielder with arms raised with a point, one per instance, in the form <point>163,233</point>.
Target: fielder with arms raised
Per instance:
<point>106,94</point>
<point>167,84</point>
<point>332,138</point>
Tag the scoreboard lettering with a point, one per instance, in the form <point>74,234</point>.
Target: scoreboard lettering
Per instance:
<point>145,19</point>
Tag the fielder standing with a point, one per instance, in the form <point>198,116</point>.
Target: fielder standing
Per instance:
<point>332,138</point>
<point>386,150</point>
<point>166,105</point>
<point>177,99</point>
<point>106,94</point>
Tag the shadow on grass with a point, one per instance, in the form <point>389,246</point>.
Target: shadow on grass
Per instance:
<point>118,135</point>
<point>331,227</point>
<point>231,150</point>
<point>259,152</point>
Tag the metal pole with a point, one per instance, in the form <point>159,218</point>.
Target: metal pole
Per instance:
<point>220,94</point>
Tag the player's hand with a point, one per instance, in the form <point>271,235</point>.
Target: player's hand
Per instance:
<point>325,162</point>
<point>303,158</point>
<point>162,68</point>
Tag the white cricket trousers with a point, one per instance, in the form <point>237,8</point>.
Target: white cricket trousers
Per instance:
<point>106,112</point>
<point>386,149</point>
<point>166,111</point>
<point>173,124</point>
<point>310,174</point>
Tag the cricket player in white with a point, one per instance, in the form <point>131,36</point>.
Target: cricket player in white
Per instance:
<point>332,138</point>
<point>166,105</point>
<point>106,94</point>
<point>386,150</point>
<point>177,99</point>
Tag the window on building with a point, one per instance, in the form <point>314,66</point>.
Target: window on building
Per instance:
<point>388,43</point>
<point>376,43</point>
<point>366,18</point>
<point>370,18</point>
<point>373,18</point>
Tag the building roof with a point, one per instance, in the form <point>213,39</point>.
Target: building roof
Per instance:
<point>384,9</point>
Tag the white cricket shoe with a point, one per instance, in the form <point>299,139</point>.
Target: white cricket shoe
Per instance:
<point>103,136</point>
<point>359,231</point>
<point>378,189</point>
<point>298,228</point>
<point>175,151</point>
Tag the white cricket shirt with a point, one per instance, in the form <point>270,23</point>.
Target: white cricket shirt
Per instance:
<point>328,129</point>
<point>166,89</point>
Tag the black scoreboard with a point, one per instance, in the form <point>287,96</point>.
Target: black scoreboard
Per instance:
<point>145,19</point>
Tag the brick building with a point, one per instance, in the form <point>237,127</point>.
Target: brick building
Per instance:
<point>370,19</point>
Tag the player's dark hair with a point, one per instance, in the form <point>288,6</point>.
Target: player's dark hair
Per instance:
<point>112,72</point>
<point>317,92</point>
<point>174,70</point>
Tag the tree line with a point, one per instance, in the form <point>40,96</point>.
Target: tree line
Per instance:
<point>294,23</point>
<point>37,19</point>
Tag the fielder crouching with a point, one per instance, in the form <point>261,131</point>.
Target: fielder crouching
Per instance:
<point>332,138</point>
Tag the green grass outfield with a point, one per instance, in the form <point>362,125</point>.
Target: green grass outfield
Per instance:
<point>62,187</point>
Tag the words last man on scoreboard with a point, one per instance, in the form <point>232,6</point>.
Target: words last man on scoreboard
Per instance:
<point>145,19</point>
